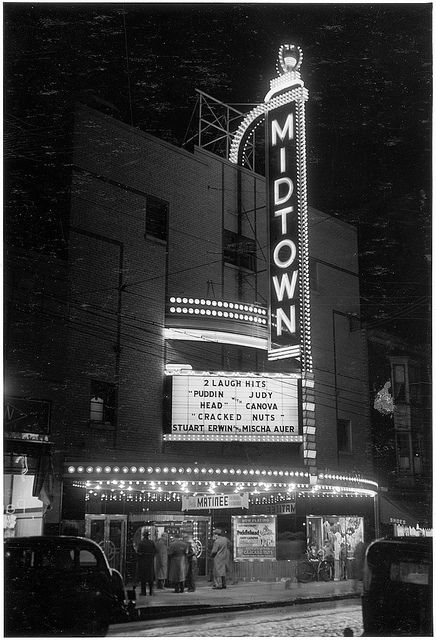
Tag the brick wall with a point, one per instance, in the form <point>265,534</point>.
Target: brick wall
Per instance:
<point>205,195</point>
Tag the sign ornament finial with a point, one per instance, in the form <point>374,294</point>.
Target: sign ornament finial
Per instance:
<point>289,58</point>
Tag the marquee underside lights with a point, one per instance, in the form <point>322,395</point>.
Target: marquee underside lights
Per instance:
<point>124,494</point>
<point>219,321</point>
<point>219,337</point>
<point>230,374</point>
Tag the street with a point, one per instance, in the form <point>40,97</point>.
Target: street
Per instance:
<point>326,619</point>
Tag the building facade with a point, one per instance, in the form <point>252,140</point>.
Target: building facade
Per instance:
<point>149,346</point>
<point>401,425</point>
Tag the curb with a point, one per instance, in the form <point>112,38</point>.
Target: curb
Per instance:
<point>152,613</point>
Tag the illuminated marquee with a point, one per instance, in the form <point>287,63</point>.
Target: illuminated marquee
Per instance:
<point>235,407</point>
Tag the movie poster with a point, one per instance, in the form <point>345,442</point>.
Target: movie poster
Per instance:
<point>254,537</point>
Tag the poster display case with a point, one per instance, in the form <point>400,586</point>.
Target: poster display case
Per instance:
<point>254,537</point>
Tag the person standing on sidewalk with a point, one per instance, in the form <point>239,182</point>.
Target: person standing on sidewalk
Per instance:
<point>145,562</point>
<point>191,577</point>
<point>220,555</point>
<point>161,562</point>
<point>230,573</point>
<point>177,553</point>
<point>337,541</point>
<point>358,562</point>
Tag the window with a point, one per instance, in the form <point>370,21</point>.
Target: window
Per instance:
<point>239,250</point>
<point>399,375</point>
<point>415,385</point>
<point>87,558</point>
<point>156,218</point>
<point>404,452</point>
<point>314,275</point>
<point>344,436</point>
<point>102,403</point>
<point>410,572</point>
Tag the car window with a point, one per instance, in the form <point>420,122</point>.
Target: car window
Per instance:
<point>57,559</point>
<point>87,558</point>
<point>18,559</point>
<point>409,572</point>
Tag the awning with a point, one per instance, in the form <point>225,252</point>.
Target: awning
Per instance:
<point>400,512</point>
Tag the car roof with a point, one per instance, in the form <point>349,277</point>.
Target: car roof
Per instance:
<point>413,540</point>
<point>59,541</point>
<point>394,547</point>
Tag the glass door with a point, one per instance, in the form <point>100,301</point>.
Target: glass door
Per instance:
<point>110,534</point>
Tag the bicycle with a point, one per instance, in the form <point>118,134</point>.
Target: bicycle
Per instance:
<point>317,569</point>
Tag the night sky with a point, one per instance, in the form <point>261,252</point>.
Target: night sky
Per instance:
<point>368,69</point>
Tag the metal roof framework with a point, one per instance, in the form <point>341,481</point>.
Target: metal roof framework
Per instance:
<point>217,124</point>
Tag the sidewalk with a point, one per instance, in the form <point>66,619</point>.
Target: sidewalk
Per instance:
<point>243,595</point>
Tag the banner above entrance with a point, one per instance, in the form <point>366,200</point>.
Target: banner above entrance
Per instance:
<point>218,501</point>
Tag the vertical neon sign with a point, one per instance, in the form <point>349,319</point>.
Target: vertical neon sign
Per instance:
<point>283,228</point>
<point>289,288</point>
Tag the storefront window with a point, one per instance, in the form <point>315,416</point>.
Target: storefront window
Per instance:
<point>327,535</point>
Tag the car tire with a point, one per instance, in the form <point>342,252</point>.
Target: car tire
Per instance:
<point>95,628</point>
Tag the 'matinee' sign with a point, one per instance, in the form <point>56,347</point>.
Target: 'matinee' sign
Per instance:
<point>215,501</point>
<point>283,216</point>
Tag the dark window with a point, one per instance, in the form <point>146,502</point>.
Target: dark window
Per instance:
<point>399,382</point>
<point>344,436</point>
<point>239,250</point>
<point>415,385</point>
<point>156,218</point>
<point>403,451</point>
<point>102,406</point>
<point>314,276</point>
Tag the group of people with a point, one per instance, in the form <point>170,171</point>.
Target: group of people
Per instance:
<point>177,563</point>
<point>345,552</point>
<point>152,563</point>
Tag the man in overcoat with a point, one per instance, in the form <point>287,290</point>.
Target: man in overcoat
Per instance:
<point>161,562</point>
<point>220,555</point>
<point>177,554</point>
<point>145,562</point>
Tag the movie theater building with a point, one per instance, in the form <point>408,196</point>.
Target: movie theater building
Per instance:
<point>217,373</point>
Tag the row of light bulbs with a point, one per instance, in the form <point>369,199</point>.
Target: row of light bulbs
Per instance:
<point>299,93</point>
<point>218,471</point>
<point>196,470</point>
<point>253,488</point>
<point>222,437</point>
<point>219,303</point>
<point>175,497</point>
<point>254,113</point>
<point>219,314</point>
<point>184,486</point>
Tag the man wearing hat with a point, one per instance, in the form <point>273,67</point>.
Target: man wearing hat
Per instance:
<point>220,555</point>
<point>145,562</point>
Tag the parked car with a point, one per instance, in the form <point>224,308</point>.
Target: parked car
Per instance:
<point>397,587</point>
<point>60,585</point>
